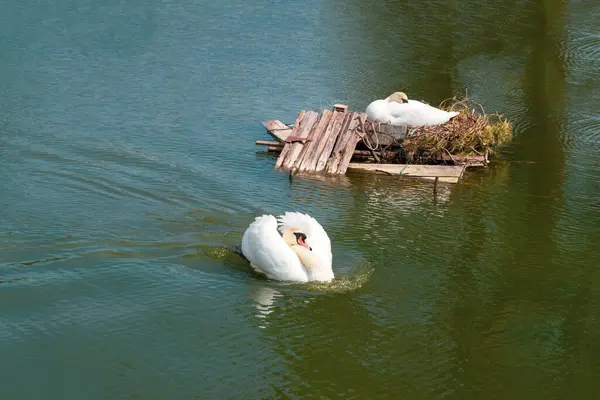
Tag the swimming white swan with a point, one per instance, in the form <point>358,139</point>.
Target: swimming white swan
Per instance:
<point>298,250</point>
<point>398,110</point>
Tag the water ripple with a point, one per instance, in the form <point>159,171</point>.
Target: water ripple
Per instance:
<point>582,54</point>
<point>587,131</point>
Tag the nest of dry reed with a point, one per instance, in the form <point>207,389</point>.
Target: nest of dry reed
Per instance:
<point>472,132</point>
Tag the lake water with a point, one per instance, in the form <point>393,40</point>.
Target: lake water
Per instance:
<point>128,169</point>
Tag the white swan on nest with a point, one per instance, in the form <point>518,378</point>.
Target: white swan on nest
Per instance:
<point>293,247</point>
<point>398,110</point>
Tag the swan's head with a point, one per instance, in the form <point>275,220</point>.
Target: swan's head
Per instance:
<point>399,97</point>
<point>295,237</point>
<point>310,242</point>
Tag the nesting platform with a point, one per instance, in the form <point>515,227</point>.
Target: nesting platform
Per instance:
<point>327,143</point>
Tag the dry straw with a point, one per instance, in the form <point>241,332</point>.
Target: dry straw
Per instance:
<point>472,132</point>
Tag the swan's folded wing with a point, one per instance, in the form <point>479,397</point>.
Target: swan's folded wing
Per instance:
<point>317,237</point>
<point>406,111</point>
<point>268,253</point>
<point>415,113</point>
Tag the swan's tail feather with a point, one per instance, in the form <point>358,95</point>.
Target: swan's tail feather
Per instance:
<point>453,113</point>
<point>237,249</point>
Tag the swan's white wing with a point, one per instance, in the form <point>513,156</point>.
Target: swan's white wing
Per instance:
<point>268,253</point>
<point>317,238</point>
<point>416,113</point>
<point>378,111</point>
<point>405,114</point>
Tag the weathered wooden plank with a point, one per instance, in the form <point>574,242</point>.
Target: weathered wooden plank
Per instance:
<point>310,163</point>
<point>311,137</point>
<point>333,162</point>
<point>340,107</point>
<point>269,143</point>
<point>414,169</point>
<point>333,130</point>
<point>298,124</point>
<point>445,173</point>
<point>277,129</point>
<point>348,150</point>
<point>337,127</point>
<point>305,127</point>
<point>288,146</point>
<point>309,158</point>
<point>474,161</point>
<point>354,133</point>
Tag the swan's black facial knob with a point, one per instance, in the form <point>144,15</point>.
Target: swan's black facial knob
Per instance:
<point>301,240</point>
<point>300,235</point>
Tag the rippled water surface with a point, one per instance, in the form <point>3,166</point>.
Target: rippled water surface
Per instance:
<point>128,170</point>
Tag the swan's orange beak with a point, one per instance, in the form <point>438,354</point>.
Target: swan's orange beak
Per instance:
<point>301,240</point>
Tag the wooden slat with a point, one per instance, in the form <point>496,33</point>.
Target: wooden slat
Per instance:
<point>445,173</point>
<point>341,137</point>
<point>328,141</point>
<point>340,107</point>
<point>269,143</point>
<point>350,146</point>
<point>277,129</point>
<point>288,146</point>
<point>474,161</point>
<point>313,130</point>
<point>309,153</point>
<point>311,164</point>
<point>305,127</point>
<point>333,162</point>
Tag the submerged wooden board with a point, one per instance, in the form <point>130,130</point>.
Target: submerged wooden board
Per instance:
<point>445,173</point>
<point>277,129</point>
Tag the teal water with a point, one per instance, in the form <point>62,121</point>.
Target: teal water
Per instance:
<point>128,169</point>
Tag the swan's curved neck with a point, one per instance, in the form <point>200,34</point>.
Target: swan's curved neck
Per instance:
<point>311,262</point>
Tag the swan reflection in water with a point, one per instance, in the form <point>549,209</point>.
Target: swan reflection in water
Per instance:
<point>264,298</point>
<point>352,272</point>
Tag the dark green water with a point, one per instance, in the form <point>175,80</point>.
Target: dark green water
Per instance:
<point>128,167</point>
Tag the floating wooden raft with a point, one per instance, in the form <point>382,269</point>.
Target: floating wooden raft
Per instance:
<point>327,142</point>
